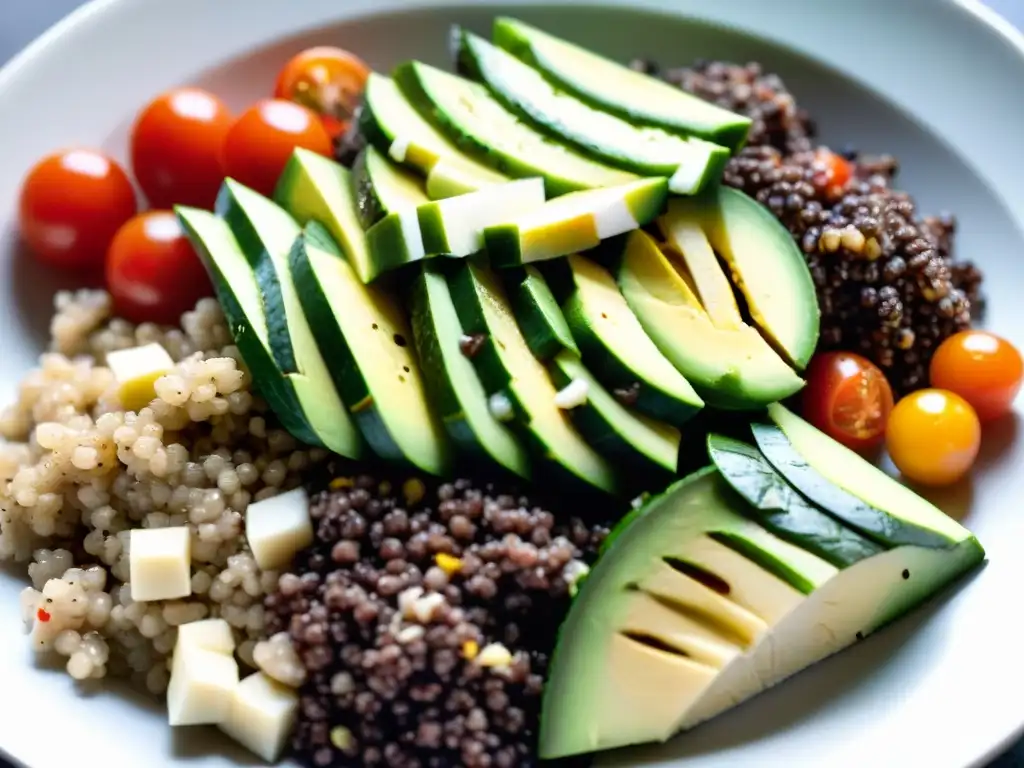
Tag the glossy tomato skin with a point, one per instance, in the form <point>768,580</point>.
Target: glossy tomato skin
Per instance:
<point>71,204</point>
<point>984,369</point>
<point>848,398</point>
<point>153,273</point>
<point>177,146</point>
<point>263,138</point>
<point>329,81</point>
<point>934,436</point>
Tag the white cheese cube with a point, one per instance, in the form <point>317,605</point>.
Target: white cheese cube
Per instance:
<point>202,687</point>
<point>262,715</point>
<point>207,635</point>
<point>160,563</point>
<point>136,370</point>
<point>279,527</point>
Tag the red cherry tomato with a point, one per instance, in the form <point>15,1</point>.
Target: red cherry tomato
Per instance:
<point>153,273</point>
<point>837,172</point>
<point>176,148</point>
<point>329,81</point>
<point>263,138</point>
<point>933,436</point>
<point>71,205</point>
<point>848,398</point>
<point>984,369</point>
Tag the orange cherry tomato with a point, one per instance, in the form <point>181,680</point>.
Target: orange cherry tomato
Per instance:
<point>848,398</point>
<point>263,138</point>
<point>984,369</point>
<point>176,147</point>
<point>933,436</point>
<point>153,273</point>
<point>71,205</point>
<point>329,81</point>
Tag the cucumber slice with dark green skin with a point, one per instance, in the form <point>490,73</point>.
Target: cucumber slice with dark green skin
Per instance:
<point>266,233</point>
<point>314,188</point>
<point>783,511</point>
<point>392,124</point>
<point>235,285</point>
<point>452,383</point>
<point>618,351</point>
<point>538,314</point>
<point>690,164</point>
<point>367,342</point>
<point>648,449</point>
<point>468,114</point>
<point>506,366</point>
<point>618,90</point>
<point>850,488</point>
<point>383,187</point>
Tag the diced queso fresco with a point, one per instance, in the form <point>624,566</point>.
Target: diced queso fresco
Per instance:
<point>316,510</point>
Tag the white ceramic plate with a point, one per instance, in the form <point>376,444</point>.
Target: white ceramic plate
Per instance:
<point>936,83</point>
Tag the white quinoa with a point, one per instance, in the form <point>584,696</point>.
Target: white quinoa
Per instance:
<point>77,473</point>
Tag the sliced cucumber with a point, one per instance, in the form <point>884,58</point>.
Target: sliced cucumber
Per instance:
<point>266,233</point>
<point>689,163</point>
<point>575,222</point>
<point>619,90</point>
<point>506,366</point>
<point>452,383</point>
<point>314,188</point>
<point>649,449</point>
<point>619,352</point>
<point>234,281</point>
<point>364,335</point>
<point>538,314</point>
<point>390,123</point>
<point>495,136</point>
<point>383,187</point>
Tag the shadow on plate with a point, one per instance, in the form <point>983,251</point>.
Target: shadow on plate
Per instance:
<point>798,699</point>
<point>205,743</point>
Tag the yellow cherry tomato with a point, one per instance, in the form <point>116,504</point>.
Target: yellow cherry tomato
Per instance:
<point>933,436</point>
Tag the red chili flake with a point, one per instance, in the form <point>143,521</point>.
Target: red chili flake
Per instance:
<point>42,615</point>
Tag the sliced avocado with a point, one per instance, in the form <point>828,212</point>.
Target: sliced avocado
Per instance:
<point>629,668</point>
<point>733,369</point>
<point>452,384</point>
<point>574,222</point>
<point>390,123</point>
<point>689,163</point>
<point>234,281</point>
<point>366,341</point>
<point>621,672</point>
<point>314,188</point>
<point>648,449</point>
<point>470,116</point>
<point>849,487</point>
<point>783,511</point>
<point>764,262</point>
<point>618,351</point>
<point>455,226</point>
<point>506,367</point>
<point>266,233</point>
<point>619,90</point>
<point>538,314</point>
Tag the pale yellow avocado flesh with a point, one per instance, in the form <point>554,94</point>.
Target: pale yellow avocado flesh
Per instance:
<point>727,367</point>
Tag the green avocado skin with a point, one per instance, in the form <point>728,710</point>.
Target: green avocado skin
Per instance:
<point>779,508</point>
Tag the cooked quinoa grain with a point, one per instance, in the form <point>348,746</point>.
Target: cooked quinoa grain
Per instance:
<point>888,284</point>
<point>424,616</point>
<point>77,473</point>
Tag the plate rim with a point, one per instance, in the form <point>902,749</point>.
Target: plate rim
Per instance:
<point>95,14</point>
